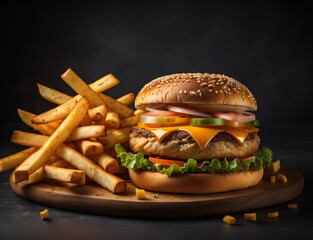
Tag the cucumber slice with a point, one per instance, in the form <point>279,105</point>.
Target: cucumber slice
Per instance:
<point>207,121</point>
<point>254,123</point>
<point>152,119</point>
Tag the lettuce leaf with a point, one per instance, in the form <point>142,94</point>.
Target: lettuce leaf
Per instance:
<point>137,161</point>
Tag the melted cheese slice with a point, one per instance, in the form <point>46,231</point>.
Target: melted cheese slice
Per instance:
<point>203,135</point>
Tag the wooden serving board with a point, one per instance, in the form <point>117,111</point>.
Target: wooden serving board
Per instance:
<point>94,199</point>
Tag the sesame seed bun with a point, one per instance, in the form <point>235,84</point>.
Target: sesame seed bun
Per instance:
<point>195,183</point>
<point>205,92</point>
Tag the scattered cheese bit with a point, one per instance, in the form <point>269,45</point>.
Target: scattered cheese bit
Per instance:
<point>291,205</point>
<point>140,194</point>
<point>275,166</point>
<point>281,178</point>
<point>157,195</point>
<point>44,214</point>
<point>272,214</point>
<point>250,216</point>
<point>273,179</point>
<point>229,219</point>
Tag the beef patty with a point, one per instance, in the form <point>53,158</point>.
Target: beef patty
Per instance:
<point>181,145</point>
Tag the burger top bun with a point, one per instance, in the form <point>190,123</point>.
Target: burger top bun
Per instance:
<point>204,92</point>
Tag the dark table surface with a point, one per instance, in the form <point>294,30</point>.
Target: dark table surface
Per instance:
<point>291,143</point>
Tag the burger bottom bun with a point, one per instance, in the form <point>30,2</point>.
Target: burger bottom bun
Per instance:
<point>195,183</point>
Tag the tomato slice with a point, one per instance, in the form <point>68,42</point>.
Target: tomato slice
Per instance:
<point>168,162</point>
<point>237,117</point>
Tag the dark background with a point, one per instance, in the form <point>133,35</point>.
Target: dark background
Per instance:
<point>267,45</point>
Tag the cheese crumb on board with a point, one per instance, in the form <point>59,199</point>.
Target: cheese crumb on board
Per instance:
<point>140,194</point>
<point>229,219</point>
<point>250,217</point>
<point>272,214</point>
<point>44,214</point>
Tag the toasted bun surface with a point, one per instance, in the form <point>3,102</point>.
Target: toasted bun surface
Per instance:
<point>205,92</point>
<point>195,183</point>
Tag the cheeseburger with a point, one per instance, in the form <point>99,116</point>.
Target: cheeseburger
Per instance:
<point>197,136</point>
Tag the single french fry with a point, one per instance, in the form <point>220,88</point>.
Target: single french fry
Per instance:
<point>121,168</point>
<point>53,95</point>
<point>64,174</point>
<point>36,160</point>
<point>115,105</point>
<point>58,112</point>
<point>112,120</point>
<point>104,83</point>
<point>129,122</point>
<point>39,175</point>
<point>119,136</point>
<point>108,163</point>
<point>139,112</point>
<point>78,160</point>
<point>89,148</point>
<point>16,159</point>
<point>98,113</point>
<point>87,132</point>
<point>127,99</point>
<point>79,86</point>
<point>27,117</point>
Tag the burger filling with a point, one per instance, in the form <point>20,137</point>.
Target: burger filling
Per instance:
<point>180,140</point>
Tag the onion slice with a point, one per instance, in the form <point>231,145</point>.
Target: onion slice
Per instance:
<point>188,111</point>
<point>234,116</point>
<point>154,110</point>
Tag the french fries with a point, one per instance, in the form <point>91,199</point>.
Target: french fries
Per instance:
<point>118,107</point>
<point>131,121</point>
<point>64,174</point>
<point>139,112</point>
<point>127,99</point>
<point>16,159</point>
<point>57,113</point>
<point>53,95</point>
<point>112,120</point>
<point>81,88</point>
<point>36,160</point>
<point>108,163</point>
<point>27,117</point>
<point>119,136</point>
<point>98,113</point>
<point>89,148</point>
<point>78,136</point>
<point>78,160</point>
<point>92,131</point>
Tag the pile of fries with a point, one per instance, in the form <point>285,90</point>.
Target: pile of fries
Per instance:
<point>77,137</point>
